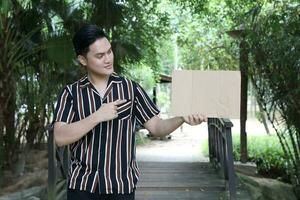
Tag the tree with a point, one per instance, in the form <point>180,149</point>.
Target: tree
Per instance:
<point>36,51</point>
<point>274,38</point>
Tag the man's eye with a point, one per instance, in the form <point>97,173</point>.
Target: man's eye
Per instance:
<point>109,51</point>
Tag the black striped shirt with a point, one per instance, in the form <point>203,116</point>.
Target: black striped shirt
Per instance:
<point>104,159</point>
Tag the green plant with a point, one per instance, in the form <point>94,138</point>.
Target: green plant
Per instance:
<point>140,139</point>
<point>273,37</point>
<point>265,151</point>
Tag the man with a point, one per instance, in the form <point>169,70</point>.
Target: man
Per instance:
<point>97,116</point>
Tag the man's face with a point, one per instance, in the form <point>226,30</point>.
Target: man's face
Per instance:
<point>100,58</point>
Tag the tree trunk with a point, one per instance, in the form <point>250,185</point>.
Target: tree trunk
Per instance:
<point>263,118</point>
<point>9,106</point>
<point>1,136</point>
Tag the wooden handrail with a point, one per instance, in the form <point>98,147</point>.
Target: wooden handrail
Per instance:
<point>58,163</point>
<point>220,150</point>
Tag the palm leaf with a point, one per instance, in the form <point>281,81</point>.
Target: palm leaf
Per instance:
<point>60,50</point>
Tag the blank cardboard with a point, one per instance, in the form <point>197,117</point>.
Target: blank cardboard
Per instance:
<point>212,93</point>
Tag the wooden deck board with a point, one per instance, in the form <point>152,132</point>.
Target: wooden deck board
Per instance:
<point>165,180</point>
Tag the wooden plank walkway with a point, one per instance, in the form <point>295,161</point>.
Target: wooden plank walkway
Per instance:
<point>174,180</point>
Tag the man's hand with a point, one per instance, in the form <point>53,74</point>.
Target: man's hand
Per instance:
<point>108,111</point>
<point>194,119</point>
<point>65,133</point>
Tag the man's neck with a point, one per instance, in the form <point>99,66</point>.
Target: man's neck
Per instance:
<point>98,80</point>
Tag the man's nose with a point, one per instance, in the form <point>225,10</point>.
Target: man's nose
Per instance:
<point>106,57</point>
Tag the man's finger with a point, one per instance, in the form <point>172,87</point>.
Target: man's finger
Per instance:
<point>204,118</point>
<point>195,119</point>
<point>118,102</point>
<point>200,118</point>
<point>190,118</point>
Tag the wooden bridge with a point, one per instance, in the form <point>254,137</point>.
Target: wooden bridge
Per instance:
<point>164,180</point>
<point>178,181</point>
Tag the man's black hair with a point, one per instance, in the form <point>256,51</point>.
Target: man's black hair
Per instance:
<point>85,36</point>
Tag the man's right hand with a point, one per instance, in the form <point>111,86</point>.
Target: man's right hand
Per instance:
<point>65,133</point>
<point>108,111</point>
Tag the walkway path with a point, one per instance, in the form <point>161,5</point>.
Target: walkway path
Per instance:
<point>177,169</point>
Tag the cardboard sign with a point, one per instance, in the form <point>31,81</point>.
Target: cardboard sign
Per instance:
<point>212,93</point>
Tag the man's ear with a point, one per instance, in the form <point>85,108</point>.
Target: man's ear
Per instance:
<point>82,60</point>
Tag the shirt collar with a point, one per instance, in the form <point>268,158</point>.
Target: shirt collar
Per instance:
<point>113,78</point>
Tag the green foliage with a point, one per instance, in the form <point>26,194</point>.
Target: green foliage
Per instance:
<point>196,5</point>
<point>265,151</point>
<point>166,57</point>
<point>60,50</point>
<point>164,97</point>
<point>140,139</point>
<point>204,148</point>
<point>199,39</point>
<point>142,74</point>
<point>271,32</point>
<point>37,57</point>
<point>144,24</point>
<point>5,7</point>
<point>274,41</point>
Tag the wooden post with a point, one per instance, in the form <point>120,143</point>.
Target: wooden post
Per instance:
<point>244,63</point>
<point>244,95</point>
<point>230,164</point>
<point>51,165</point>
<point>210,141</point>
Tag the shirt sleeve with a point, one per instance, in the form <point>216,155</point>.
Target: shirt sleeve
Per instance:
<point>145,109</point>
<point>64,111</point>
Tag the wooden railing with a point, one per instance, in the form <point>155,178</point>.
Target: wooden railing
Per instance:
<point>220,150</point>
<point>58,164</point>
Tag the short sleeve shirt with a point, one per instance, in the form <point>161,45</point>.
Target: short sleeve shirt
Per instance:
<point>104,161</point>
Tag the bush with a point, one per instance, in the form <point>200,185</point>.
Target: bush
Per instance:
<point>265,151</point>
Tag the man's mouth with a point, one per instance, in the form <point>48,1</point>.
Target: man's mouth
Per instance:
<point>108,67</point>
